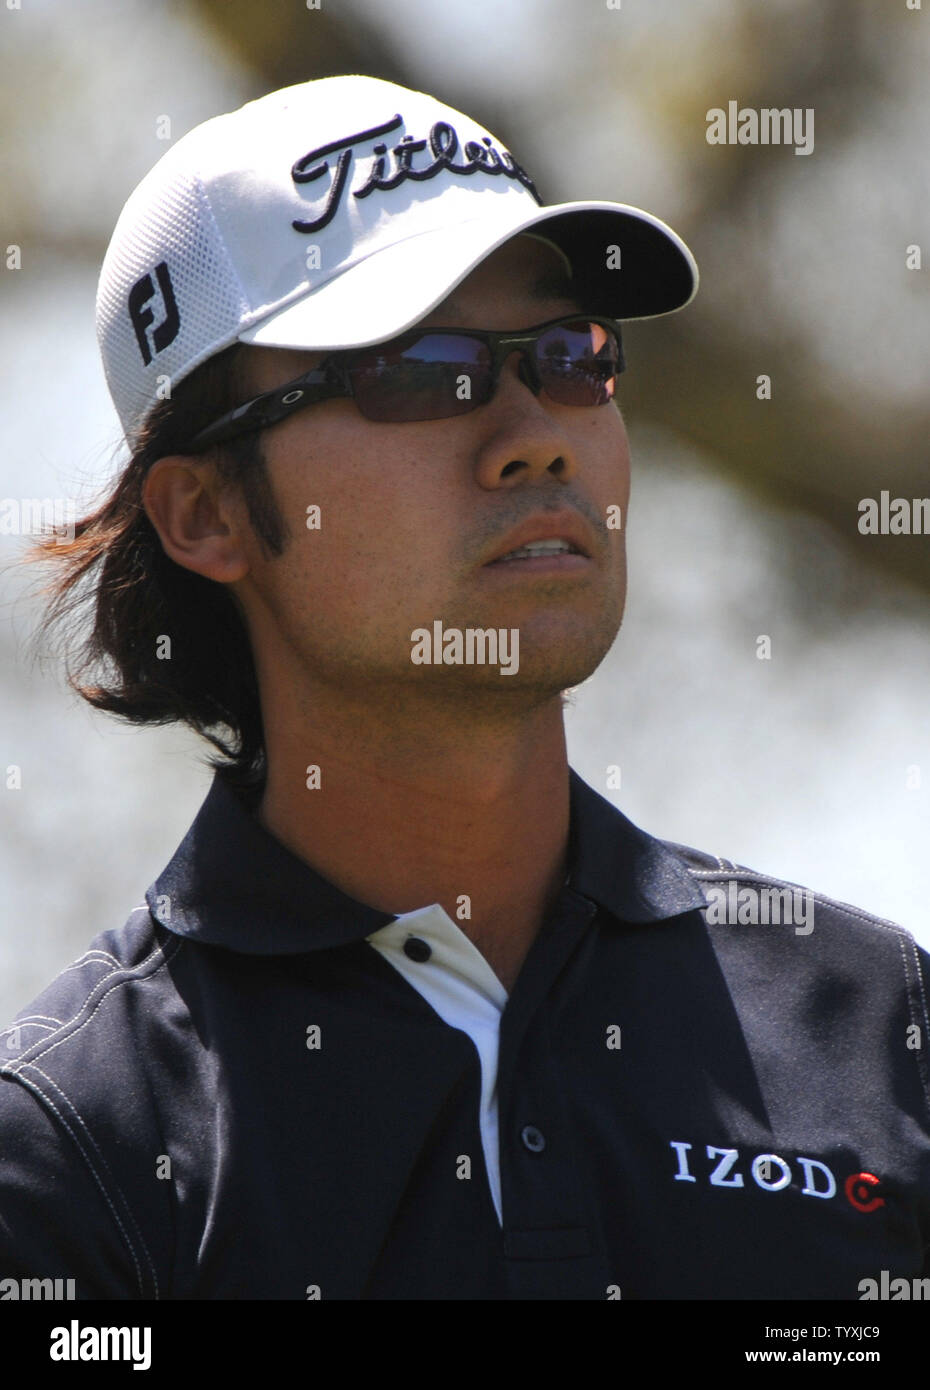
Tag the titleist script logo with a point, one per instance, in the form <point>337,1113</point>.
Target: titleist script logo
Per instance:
<point>391,168</point>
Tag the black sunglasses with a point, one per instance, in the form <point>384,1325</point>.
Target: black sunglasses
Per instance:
<point>435,373</point>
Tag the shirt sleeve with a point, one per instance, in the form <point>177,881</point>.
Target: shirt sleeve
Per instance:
<point>55,1221</point>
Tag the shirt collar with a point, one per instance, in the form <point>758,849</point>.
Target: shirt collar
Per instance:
<point>626,871</point>
<point>231,883</point>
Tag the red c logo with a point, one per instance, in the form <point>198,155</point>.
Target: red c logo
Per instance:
<point>863,1181</point>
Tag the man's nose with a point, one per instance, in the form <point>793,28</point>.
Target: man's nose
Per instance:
<point>523,439</point>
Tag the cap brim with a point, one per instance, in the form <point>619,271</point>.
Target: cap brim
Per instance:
<point>626,262</point>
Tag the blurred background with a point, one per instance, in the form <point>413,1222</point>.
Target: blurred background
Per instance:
<point>813,765</point>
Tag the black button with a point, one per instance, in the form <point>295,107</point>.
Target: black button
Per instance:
<point>417,949</point>
<point>533,1139</point>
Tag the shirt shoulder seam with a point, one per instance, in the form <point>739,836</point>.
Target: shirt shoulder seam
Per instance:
<point>48,1091</point>
<point>914,989</point>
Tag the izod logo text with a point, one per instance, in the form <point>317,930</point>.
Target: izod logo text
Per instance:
<point>727,1167</point>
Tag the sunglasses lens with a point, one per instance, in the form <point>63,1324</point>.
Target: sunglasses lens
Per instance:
<point>433,375</point>
<point>430,376</point>
<point>578,363</point>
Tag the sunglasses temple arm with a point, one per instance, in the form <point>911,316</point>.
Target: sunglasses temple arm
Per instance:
<point>268,409</point>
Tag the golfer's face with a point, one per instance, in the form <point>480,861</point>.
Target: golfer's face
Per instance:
<point>415,517</point>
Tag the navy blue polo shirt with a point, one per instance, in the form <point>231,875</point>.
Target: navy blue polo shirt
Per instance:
<point>704,1084</point>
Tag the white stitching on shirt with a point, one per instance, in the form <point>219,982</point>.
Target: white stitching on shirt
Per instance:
<point>44,1046</point>
<point>919,1055</point>
<point>923,996</point>
<point>47,1100</point>
<point>94,958</point>
<point>36,1020</point>
<point>752,876</point>
<point>128,977</point>
<point>904,938</point>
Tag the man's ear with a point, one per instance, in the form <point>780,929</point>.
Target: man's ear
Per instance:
<point>200,522</point>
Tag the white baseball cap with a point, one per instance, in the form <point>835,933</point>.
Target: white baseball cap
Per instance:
<point>334,214</point>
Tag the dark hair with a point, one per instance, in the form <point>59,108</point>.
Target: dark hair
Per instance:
<point>116,567</point>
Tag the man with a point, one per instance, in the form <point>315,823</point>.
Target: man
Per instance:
<point>413,1012</point>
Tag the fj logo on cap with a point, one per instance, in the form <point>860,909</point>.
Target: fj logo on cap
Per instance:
<point>143,317</point>
<point>480,157</point>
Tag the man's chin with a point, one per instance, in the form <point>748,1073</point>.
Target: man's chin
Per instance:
<point>532,675</point>
<point>535,660</point>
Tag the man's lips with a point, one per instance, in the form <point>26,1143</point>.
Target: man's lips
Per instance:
<point>568,527</point>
